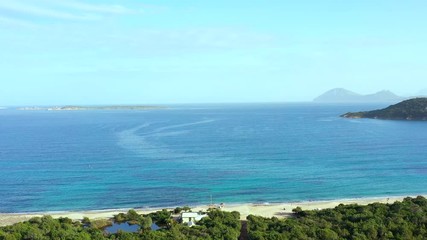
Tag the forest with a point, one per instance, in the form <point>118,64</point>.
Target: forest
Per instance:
<point>218,225</point>
<point>399,220</point>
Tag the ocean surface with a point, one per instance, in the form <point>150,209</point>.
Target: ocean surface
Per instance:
<point>183,155</point>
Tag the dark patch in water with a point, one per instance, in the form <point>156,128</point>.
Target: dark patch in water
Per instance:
<point>126,227</point>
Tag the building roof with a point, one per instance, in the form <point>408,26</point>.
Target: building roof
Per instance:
<point>189,214</point>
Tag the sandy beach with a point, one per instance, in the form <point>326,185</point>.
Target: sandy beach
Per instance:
<point>279,210</point>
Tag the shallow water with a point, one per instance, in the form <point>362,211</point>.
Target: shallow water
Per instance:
<point>125,227</point>
<point>80,160</point>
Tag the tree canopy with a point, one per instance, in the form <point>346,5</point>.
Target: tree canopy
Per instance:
<point>218,225</point>
<point>400,220</point>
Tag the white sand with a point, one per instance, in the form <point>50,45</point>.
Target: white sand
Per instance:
<point>265,210</point>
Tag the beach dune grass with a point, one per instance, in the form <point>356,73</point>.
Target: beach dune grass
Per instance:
<point>100,223</point>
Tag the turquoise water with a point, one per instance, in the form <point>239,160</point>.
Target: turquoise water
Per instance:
<point>79,160</point>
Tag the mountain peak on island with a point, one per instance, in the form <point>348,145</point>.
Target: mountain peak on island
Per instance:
<point>337,95</point>
<point>383,96</point>
<point>341,95</point>
<point>341,92</point>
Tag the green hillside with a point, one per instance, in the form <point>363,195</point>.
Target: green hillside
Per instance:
<point>413,109</point>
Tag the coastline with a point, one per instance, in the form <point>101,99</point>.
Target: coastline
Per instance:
<point>87,108</point>
<point>279,210</point>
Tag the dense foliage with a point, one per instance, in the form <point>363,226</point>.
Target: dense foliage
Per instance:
<point>181,209</point>
<point>132,217</point>
<point>413,109</point>
<point>161,217</point>
<point>48,228</point>
<point>400,220</point>
<point>218,225</point>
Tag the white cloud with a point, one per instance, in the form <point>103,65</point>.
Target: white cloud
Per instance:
<point>59,10</point>
<point>98,8</point>
<point>15,22</point>
<point>29,9</point>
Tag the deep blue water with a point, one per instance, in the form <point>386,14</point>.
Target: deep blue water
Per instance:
<point>75,160</point>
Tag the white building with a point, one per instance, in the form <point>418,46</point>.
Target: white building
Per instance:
<point>191,217</point>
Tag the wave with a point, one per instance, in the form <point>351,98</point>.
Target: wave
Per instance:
<point>149,143</point>
<point>180,126</point>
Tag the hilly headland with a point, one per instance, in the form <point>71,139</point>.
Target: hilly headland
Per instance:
<point>412,109</point>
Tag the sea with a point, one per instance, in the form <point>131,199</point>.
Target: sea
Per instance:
<point>198,154</point>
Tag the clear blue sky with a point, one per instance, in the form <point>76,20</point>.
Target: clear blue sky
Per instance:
<point>136,51</point>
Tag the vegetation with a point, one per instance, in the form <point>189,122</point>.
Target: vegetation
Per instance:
<point>400,220</point>
<point>413,109</point>
<point>40,228</point>
<point>218,225</point>
<point>178,210</point>
<point>161,218</point>
<point>133,218</point>
<point>100,223</point>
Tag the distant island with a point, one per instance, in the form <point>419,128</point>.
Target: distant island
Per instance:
<point>81,108</point>
<point>341,95</point>
<point>412,109</point>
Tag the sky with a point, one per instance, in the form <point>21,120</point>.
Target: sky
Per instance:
<point>180,51</point>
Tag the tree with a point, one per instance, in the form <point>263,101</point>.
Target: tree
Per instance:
<point>177,210</point>
<point>146,223</point>
<point>161,217</point>
<point>132,215</point>
<point>186,209</point>
<point>400,220</point>
<point>298,212</point>
<point>120,218</point>
<point>86,221</point>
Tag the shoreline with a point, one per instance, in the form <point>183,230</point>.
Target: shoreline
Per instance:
<point>269,210</point>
